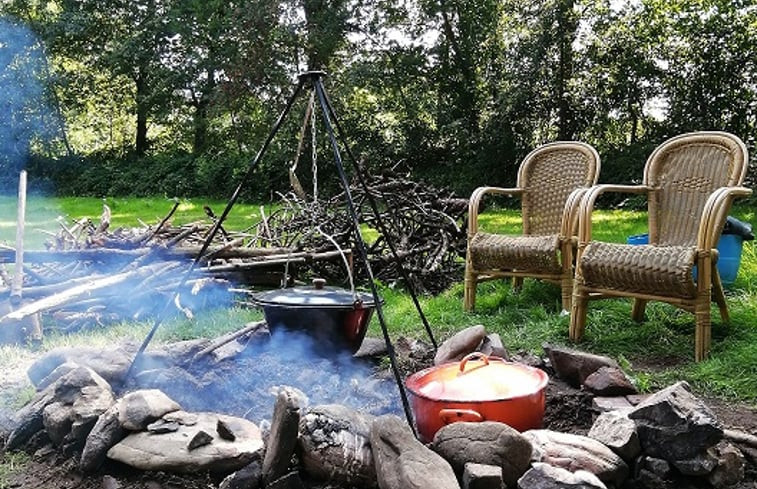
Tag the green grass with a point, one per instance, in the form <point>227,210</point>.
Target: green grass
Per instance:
<point>656,352</point>
<point>10,463</point>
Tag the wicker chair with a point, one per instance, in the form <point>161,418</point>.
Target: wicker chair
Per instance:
<point>551,181</point>
<point>690,182</point>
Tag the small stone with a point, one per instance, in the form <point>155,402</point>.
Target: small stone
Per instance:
<point>492,346</point>
<point>657,466</point>
<point>460,344</point>
<point>162,426</point>
<point>700,465</point>
<point>730,468</point>
<point>110,482</point>
<point>248,477</point>
<point>545,476</point>
<point>575,366</point>
<point>199,440</point>
<point>606,404</point>
<point>618,432</point>
<point>635,399</point>
<point>224,431</point>
<point>139,408</point>
<point>608,382</point>
<point>371,348</point>
<point>182,418</point>
<point>479,476</point>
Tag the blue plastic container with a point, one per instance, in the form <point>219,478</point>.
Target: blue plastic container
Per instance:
<point>729,249</point>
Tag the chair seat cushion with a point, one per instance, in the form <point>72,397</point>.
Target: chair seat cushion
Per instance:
<point>645,269</point>
<point>536,254</point>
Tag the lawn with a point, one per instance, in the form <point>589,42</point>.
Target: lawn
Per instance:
<point>655,353</point>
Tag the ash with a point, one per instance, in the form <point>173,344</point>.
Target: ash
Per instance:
<point>245,379</point>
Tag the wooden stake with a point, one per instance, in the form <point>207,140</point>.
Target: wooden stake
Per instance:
<point>18,277</point>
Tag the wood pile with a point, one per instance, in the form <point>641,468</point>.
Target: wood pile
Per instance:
<point>90,275</point>
<point>425,225</point>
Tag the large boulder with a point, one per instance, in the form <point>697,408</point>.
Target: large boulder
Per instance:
<point>109,363</point>
<point>402,462</point>
<point>106,433</point>
<point>139,408</point>
<point>171,451</point>
<point>335,445</point>
<point>283,438</point>
<point>675,425</point>
<point>65,390</point>
<point>575,452</point>
<point>486,443</point>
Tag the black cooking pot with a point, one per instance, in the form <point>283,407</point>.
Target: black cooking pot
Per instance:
<point>331,315</point>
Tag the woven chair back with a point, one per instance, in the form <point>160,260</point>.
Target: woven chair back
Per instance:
<point>547,176</point>
<point>684,171</point>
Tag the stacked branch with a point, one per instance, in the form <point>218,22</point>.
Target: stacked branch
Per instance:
<point>425,225</point>
<point>90,275</point>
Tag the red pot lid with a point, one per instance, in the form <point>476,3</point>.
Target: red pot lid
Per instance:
<point>318,296</point>
<point>477,378</point>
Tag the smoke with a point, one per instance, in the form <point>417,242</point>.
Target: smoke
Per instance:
<point>22,99</point>
<point>246,384</point>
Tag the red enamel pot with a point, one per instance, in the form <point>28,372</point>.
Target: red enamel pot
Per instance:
<point>478,388</point>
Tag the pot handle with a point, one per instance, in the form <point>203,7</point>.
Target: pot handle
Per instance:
<point>476,355</point>
<point>451,415</point>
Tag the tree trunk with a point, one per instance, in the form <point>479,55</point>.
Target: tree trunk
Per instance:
<point>140,146</point>
<point>566,26</point>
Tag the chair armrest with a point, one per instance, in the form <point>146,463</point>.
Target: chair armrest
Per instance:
<point>714,215</point>
<point>569,225</point>
<point>475,202</point>
<point>590,197</point>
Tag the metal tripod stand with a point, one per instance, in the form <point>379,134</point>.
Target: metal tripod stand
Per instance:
<point>313,79</point>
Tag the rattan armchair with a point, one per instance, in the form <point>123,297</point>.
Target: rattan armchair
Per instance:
<point>551,181</point>
<point>690,182</point>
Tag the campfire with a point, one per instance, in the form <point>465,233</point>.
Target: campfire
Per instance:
<point>269,409</point>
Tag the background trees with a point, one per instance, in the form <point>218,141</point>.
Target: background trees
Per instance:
<point>174,96</point>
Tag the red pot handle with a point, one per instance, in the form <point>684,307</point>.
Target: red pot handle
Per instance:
<point>476,355</point>
<point>451,415</point>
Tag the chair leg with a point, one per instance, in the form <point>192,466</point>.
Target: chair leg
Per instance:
<point>703,332</point>
<point>719,295</point>
<point>566,284</point>
<point>469,294</point>
<point>517,284</point>
<point>578,312</point>
<point>637,312</point>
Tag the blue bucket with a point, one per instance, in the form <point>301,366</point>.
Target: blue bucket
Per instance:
<point>729,249</point>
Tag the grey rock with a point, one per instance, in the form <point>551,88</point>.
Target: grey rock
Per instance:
<point>402,462</point>
<point>460,344</point>
<point>66,389</point>
<point>162,426</point>
<point>486,443</point>
<point>289,481</point>
<point>492,346</point>
<point>106,433</point>
<point>575,452</point>
<point>371,348</point>
<point>478,476</point>
<point>701,464</point>
<point>110,482</point>
<point>139,408</point>
<point>730,468</point>
<point>178,353</point>
<point>248,477</point>
<point>575,366</point>
<point>673,424</point>
<point>335,445</point>
<point>283,436</point>
<point>92,402</point>
<point>658,466</point>
<point>649,480</point>
<point>224,431</point>
<point>607,404</point>
<point>609,381</point>
<point>57,373</point>
<point>545,476</point>
<point>110,364</point>
<point>182,418</point>
<point>57,419</point>
<point>200,439</point>
<point>169,451</point>
<point>618,432</point>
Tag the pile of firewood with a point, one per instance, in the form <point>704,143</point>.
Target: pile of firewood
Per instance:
<point>424,225</point>
<point>90,275</point>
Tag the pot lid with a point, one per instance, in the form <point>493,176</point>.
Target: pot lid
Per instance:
<point>318,296</point>
<point>477,378</point>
